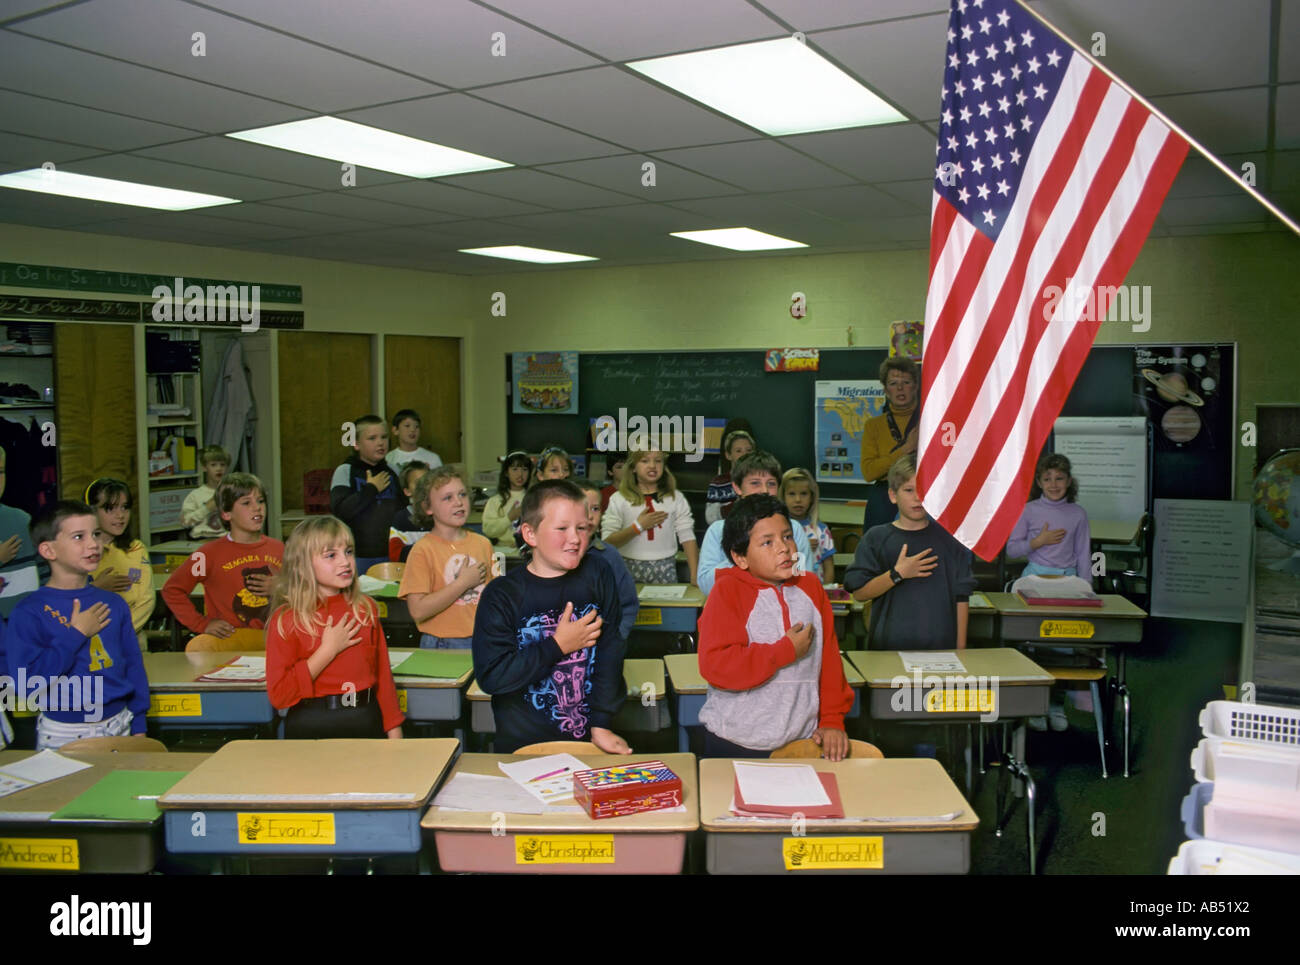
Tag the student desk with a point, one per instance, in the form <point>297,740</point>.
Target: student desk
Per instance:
<point>179,700</point>
<point>670,616</point>
<point>649,843</point>
<point>88,846</point>
<point>320,797</point>
<point>848,513</point>
<point>645,709</point>
<point>690,690</point>
<point>1116,624</point>
<point>174,552</point>
<point>891,823</point>
<point>426,700</point>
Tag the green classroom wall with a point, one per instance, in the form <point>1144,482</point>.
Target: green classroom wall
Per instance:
<point>1232,287</point>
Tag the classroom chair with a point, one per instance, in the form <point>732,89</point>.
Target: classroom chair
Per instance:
<point>1133,581</point>
<point>316,491</point>
<point>244,638</point>
<point>807,747</point>
<point>386,571</point>
<point>136,743</point>
<point>576,748</point>
<point>1093,674</point>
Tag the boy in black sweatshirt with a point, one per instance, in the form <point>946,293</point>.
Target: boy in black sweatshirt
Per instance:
<point>364,492</point>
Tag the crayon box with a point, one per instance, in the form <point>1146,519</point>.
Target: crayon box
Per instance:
<point>612,792</point>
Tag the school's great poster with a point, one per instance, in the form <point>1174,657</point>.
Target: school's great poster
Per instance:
<point>544,383</point>
<point>842,409</point>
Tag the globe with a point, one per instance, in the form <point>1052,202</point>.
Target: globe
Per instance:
<point>1277,501</point>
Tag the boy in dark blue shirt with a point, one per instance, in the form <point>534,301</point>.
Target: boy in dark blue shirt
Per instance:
<point>364,492</point>
<point>546,641</point>
<point>70,646</point>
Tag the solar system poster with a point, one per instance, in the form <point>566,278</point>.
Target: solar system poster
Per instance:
<point>1188,394</point>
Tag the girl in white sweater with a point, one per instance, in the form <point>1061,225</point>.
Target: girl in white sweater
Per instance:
<point>648,518</point>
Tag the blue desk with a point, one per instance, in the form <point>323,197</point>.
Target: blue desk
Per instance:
<point>178,700</point>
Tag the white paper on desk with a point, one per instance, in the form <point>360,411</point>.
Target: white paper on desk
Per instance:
<point>675,591</point>
<point>395,660</point>
<point>242,668</point>
<point>37,769</point>
<point>549,778</point>
<point>928,661</point>
<point>482,792</point>
<point>18,582</point>
<point>780,785</point>
<point>369,584</point>
<point>979,601</point>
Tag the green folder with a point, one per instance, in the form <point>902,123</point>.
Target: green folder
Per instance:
<point>451,664</point>
<point>117,797</point>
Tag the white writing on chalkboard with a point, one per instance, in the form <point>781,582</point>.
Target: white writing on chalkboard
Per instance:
<point>676,384</point>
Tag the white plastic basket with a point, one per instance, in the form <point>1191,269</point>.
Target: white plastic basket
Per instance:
<point>1207,857</point>
<point>1275,767</point>
<point>1257,723</point>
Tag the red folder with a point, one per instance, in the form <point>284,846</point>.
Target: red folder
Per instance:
<point>833,810</point>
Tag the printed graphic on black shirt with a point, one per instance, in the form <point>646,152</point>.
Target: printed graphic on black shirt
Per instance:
<point>563,694</point>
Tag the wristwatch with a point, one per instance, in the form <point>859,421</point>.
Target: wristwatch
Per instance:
<point>896,576</point>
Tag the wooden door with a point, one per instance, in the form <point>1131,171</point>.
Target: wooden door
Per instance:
<point>422,372</point>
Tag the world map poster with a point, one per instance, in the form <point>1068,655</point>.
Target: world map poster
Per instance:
<point>842,409</point>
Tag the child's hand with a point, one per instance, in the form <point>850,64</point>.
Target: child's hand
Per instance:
<point>922,564</point>
<point>473,574</point>
<point>379,480</point>
<point>574,635</point>
<point>834,743</point>
<point>800,635</point>
<point>651,518</point>
<point>513,513</point>
<point>113,582</point>
<point>219,628</point>
<point>609,742</point>
<point>337,637</point>
<point>1047,537</point>
<point>395,734</point>
<point>89,622</point>
<point>9,549</point>
<point>260,583</point>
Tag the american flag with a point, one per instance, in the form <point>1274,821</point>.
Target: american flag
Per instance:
<point>1047,174</point>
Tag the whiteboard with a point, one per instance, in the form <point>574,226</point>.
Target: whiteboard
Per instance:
<point>1201,560</point>
<point>1108,457</point>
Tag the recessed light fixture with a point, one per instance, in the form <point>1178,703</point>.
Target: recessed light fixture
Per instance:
<point>738,239</point>
<point>778,86</point>
<point>352,143</point>
<point>540,256</point>
<point>51,181</point>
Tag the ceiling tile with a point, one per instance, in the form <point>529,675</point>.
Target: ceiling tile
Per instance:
<point>808,15</point>
<point>442,201</point>
<point>1288,60</point>
<point>53,211</point>
<point>849,203</point>
<point>40,117</point>
<point>626,173</point>
<point>302,222</point>
<point>756,166</point>
<point>237,55</point>
<point>268,163</point>
<point>536,187</point>
<point>902,60</point>
<point>1200,211</point>
<point>143,170</point>
<point>919,194</point>
<point>887,153</point>
<point>1225,122</point>
<point>18,153</point>
<point>343,204</point>
<point>615,105</point>
<point>1288,117</point>
<point>449,42</point>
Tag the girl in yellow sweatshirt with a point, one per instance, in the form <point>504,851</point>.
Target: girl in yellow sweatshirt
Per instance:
<point>124,567</point>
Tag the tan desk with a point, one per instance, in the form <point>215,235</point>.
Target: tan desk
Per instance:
<point>690,690</point>
<point>645,710</point>
<point>999,683</point>
<point>670,616</point>
<point>174,552</point>
<point>890,825</point>
<point>178,699</point>
<point>335,797</point>
<point>430,699</point>
<point>97,847</point>
<point>848,513</point>
<point>649,843</point>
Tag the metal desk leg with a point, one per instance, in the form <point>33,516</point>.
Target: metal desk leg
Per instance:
<point>970,751</point>
<point>1123,691</point>
<point>1018,770</point>
<point>1101,729</point>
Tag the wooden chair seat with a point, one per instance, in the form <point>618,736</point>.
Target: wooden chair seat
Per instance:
<point>807,747</point>
<point>136,743</point>
<point>576,748</point>
<point>386,571</point>
<point>244,638</point>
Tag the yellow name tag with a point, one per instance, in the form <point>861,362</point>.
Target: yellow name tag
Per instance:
<point>175,705</point>
<point>40,854</point>
<point>382,607</point>
<point>564,849</point>
<point>285,827</point>
<point>401,701</point>
<point>649,616</point>
<point>960,701</point>
<point>1072,629</point>
<point>173,561</point>
<point>810,854</point>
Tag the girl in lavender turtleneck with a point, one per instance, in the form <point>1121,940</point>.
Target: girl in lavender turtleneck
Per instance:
<point>1053,529</point>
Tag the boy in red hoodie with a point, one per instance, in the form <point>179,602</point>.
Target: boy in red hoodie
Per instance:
<point>767,645</point>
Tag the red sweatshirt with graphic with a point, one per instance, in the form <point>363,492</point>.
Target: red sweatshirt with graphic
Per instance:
<point>223,567</point>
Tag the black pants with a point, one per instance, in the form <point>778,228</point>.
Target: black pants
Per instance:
<point>313,720</point>
<point>715,746</point>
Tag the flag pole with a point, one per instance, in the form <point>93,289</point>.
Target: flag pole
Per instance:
<point>1232,175</point>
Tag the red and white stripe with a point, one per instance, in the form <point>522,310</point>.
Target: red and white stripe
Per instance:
<point>995,372</point>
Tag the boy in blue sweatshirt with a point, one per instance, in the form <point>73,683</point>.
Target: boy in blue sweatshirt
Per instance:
<point>70,647</point>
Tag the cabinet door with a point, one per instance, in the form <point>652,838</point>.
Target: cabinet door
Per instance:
<point>94,379</point>
<point>324,382</point>
<point>423,373</point>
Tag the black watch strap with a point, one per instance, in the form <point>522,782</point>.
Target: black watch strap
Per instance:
<point>896,576</point>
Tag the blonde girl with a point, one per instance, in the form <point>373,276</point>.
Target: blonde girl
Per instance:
<point>124,566</point>
<point>799,492</point>
<point>648,519</point>
<point>326,657</point>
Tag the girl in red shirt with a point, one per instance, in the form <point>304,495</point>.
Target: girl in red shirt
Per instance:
<point>326,658</point>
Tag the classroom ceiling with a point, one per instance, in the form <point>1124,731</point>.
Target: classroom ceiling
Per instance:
<point>111,88</point>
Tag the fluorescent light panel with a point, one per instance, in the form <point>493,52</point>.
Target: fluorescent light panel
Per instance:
<point>778,86</point>
<point>540,256</point>
<point>49,181</point>
<point>738,239</point>
<point>352,143</point>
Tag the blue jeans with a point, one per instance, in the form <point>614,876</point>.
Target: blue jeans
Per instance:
<point>429,642</point>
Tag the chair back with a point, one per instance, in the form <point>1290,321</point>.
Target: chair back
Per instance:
<point>808,748</point>
<point>244,638</point>
<point>316,491</point>
<point>386,571</point>
<point>576,748</point>
<point>136,743</point>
